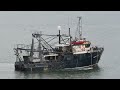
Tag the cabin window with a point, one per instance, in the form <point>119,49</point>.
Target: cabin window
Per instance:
<point>51,57</point>
<point>47,58</point>
<point>56,57</point>
<point>87,45</point>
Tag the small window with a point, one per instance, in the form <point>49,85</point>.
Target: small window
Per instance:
<point>87,45</point>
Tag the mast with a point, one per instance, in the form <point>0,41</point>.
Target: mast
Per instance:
<point>59,37</point>
<point>39,38</point>
<point>31,52</point>
<point>39,46</point>
<point>59,28</point>
<point>80,28</point>
<point>70,36</point>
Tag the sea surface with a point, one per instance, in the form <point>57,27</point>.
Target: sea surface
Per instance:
<point>102,28</point>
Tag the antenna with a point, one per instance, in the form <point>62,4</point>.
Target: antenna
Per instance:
<point>80,27</point>
<point>69,31</point>
<point>68,22</point>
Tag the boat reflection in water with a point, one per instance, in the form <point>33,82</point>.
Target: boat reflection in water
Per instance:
<point>60,74</point>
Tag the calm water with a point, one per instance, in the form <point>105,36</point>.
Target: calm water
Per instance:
<point>101,28</point>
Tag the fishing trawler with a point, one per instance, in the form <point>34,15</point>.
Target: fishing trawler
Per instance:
<point>68,52</point>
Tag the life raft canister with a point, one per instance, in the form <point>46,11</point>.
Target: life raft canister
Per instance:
<point>77,43</point>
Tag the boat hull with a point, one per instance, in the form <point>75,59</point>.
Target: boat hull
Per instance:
<point>77,60</point>
<point>68,60</point>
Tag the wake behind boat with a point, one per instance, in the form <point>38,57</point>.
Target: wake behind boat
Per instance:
<point>69,52</point>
